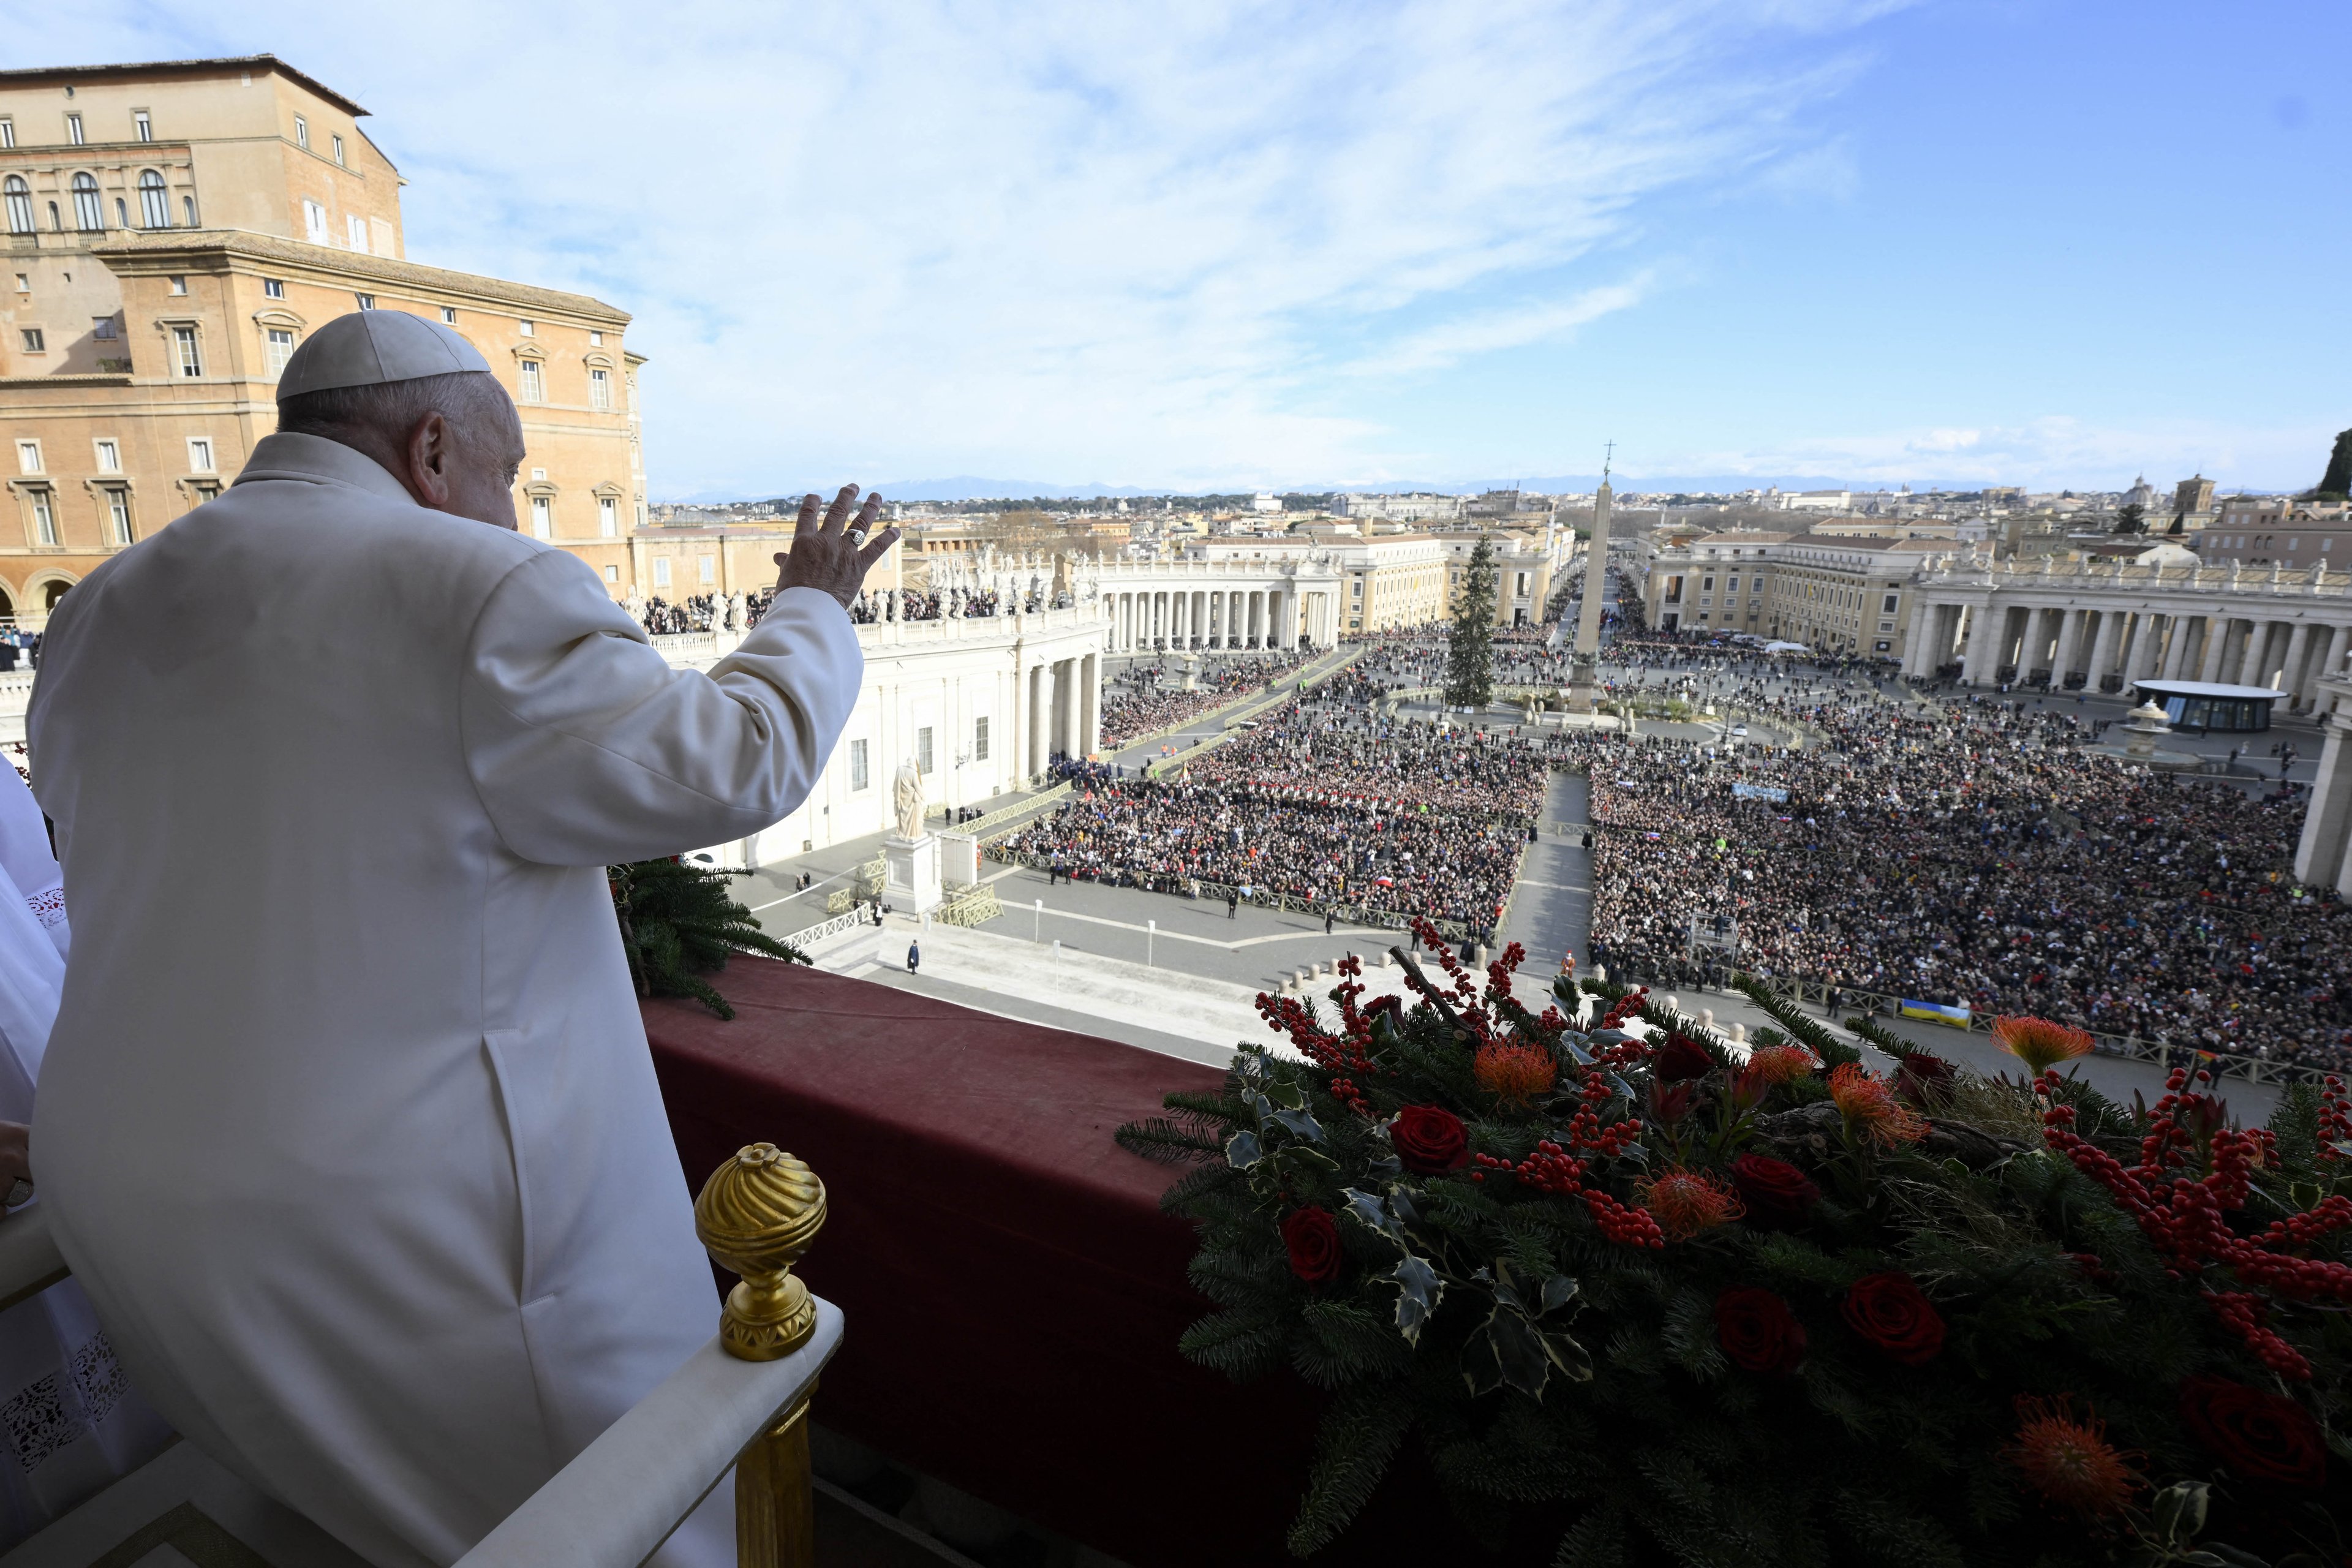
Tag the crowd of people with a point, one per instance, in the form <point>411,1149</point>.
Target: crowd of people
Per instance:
<point>1199,840</point>
<point>1972,853</point>
<point>1324,805</point>
<point>1146,698</point>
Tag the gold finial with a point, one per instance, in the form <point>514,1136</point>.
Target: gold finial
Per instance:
<point>757,1213</point>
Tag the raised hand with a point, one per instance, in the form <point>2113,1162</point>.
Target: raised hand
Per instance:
<point>835,556</point>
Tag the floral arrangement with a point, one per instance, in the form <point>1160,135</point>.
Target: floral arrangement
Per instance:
<point>1658,1300</point>
<point>678,924</point>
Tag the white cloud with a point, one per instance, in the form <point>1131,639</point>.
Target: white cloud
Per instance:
<point>1058,240</point>
<point>2054,451</point>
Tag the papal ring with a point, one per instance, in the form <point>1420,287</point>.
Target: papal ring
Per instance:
<point>22,1192</point>
<point>856,536</point>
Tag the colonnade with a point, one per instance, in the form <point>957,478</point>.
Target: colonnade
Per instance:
<point>2105,647</point>
<point>1060,710</point>
<point>1202,617</point>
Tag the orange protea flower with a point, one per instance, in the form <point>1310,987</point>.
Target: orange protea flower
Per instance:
<point>2039,1042</point>
<point>1870,1107</point>
<point>1781,1064</point>
<point>1685,1203</point>
<point>1515,1072</point>
<point>2070,1462</point>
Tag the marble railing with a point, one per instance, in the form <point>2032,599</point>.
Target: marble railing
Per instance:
<point>2312,582</point>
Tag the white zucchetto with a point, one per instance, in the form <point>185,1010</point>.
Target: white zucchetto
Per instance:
<point>368,348</point>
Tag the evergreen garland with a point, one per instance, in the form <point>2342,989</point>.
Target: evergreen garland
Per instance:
<point>678,924</point>
<point>1469,646</point>
<point>1773,1310</point>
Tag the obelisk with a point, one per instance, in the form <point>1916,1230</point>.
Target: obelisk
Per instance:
<point>1584,658</point>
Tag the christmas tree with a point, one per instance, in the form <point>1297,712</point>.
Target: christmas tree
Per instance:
<point>2337,483</point>
<point>1469,650</point>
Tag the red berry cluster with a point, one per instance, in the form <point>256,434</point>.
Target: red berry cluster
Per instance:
<point>1561,1170</point>
<point>2245,1314</point>
<point>1552,1169</point>
<point>1626,1006</point>
<point>2335,1119</point>
<point>1345,1055</point>
<point>2184,1213</point>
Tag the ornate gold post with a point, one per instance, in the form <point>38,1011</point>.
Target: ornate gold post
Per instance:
<point>757,1215</point>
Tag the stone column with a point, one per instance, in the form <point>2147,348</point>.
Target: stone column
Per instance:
<point>2217,637</point>
<point>1984,644</point>
<point>1038,687</point>
<point>2103,650</point>
<point>1914,640</point>
<point>2176,656</point>
<point>2320,854</point>
<point>2298,643</point>
<point>2070,642</point>
<point>1090,675</point>
<point>2252,666</point>
<point>2330,660</point>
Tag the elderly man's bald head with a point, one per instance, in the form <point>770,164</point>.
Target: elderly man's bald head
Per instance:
<point>455,441</point>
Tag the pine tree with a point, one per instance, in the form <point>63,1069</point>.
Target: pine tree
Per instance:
<point>1470,653</point>
<point>2131,518</point>
<point>2337,483</point>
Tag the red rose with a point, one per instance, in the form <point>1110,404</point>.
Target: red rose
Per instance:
<point>1777,1194</point>
<point>1757,1331</point>
<point>1312,1239</point>
<point>1890,1311</point>
<point>1682,1058</point>
<point>1922,1079</point>
<point>1429,1139</point>
<point>2263,1436</point>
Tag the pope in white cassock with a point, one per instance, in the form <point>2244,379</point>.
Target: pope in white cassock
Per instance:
<point>348,1124</point>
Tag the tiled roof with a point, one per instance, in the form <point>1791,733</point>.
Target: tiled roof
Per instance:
<point>183,67</point>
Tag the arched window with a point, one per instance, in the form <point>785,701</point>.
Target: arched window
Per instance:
<point>155,202</point>
<point>89,217</point>
<point>20,205</point>
<point>188,211</point>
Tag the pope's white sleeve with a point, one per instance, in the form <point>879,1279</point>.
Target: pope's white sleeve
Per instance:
<point>588,749</point>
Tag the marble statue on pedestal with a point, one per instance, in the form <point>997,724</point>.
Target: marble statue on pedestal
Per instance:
<point>906,798</point>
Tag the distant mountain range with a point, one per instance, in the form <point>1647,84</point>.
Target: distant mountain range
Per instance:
<point>973,487</point>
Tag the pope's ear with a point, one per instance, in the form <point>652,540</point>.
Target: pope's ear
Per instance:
<point>428,460</point>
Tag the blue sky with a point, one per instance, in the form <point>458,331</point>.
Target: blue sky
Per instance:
<point>1215,244</point>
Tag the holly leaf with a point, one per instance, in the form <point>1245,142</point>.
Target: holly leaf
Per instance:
<point>1299,1156</point>
<point>1367,1208</point>
<point>1567,1355</point>
<point>1519,1350</point>
<point>1573,1044</point>
<point>1301,1122</point>
<point>1557,1292</point>
<point>1242,1150</point>
<point>1288,1094</point>
<point>1419,1290</point>
<point>1482,1370</point>
<point>2178,1512</point>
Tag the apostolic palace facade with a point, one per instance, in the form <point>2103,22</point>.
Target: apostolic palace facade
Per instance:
<point>171,232</point>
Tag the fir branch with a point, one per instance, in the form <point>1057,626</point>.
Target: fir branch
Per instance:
<point>1832,1051</point>
<point>1358,1437</point>
<point>1164,1142</point>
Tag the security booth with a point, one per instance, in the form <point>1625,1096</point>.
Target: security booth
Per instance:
<point>2206,706</point>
